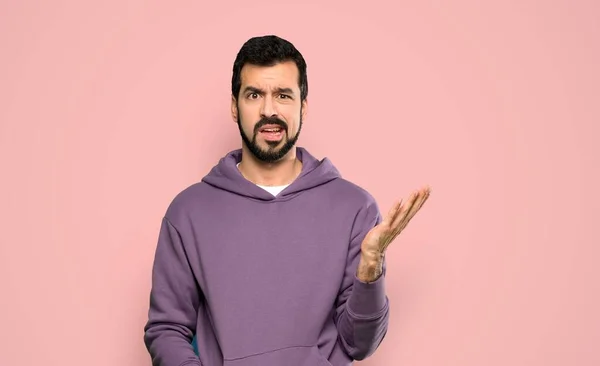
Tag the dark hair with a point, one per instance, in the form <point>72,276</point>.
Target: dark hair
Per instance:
<point>268,51</point>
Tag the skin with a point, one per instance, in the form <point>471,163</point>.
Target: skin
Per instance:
<point>273,91</point>
<point>378,239</point>
<point>268,92</point>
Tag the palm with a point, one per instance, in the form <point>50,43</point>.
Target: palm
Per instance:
<point>380,237</point>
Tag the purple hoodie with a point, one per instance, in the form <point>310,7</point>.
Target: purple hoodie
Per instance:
<point>264,280</point>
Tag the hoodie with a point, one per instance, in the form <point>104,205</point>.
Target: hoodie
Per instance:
<point>264,280</point>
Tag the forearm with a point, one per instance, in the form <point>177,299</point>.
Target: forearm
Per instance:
<point>362,312</point>
<point>364,320</point>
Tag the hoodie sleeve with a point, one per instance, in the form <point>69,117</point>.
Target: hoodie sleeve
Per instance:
<point>362,309</point>
<point>174,300</point>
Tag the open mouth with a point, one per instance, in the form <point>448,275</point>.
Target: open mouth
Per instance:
<point>271,132</point>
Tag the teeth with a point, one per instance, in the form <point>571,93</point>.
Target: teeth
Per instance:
<point>272,129</point>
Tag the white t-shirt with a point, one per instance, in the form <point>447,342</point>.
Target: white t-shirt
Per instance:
<point>274,190</point>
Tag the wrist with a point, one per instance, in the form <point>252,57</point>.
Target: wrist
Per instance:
<point>370,266</point>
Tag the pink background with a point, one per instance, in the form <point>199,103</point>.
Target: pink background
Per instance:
<point>108,109</point>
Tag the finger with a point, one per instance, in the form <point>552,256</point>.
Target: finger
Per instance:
<point>427,193</point>
<point>423,195</point>
<point>419,198</point>
<point>417,206</point>
<point>404,211</point>
<point>393,212</point>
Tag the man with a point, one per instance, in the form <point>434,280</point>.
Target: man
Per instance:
<point>273,259</point>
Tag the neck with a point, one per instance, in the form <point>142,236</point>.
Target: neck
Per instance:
<point>279,173</point>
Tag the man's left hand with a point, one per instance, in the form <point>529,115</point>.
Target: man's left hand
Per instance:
<point>381,236</point>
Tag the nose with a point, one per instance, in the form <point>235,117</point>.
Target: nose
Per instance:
<point>268,108</point>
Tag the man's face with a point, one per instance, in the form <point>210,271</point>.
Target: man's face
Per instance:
<point>268,110</point>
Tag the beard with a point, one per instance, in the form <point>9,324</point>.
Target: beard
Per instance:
<point>272,153</point>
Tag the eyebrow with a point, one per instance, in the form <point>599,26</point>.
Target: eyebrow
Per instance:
<point>262,92</point>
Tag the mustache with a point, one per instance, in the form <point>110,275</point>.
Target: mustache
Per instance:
<point>270,121</point>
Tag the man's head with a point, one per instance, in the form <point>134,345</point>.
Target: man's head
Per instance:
<point>269,96</point>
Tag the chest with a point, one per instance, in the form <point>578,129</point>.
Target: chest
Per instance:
<point>272,246</point>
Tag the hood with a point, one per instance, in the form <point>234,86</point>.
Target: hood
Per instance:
<point>226,176</point>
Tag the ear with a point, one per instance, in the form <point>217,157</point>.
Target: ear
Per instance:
<point>304,108</point>
<point>234,109</point>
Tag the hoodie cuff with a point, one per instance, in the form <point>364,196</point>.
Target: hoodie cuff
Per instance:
<point>368,299</point>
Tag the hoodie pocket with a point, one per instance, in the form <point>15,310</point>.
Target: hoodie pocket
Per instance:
<point>290,356</point>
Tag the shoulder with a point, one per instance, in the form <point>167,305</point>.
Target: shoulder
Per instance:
<point>351,200</point>
<point>352,192</point>
<point>358,201</point>
<point>188,201</point>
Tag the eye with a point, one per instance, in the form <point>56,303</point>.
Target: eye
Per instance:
<point>284,96</point>
<point>253,95</point>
